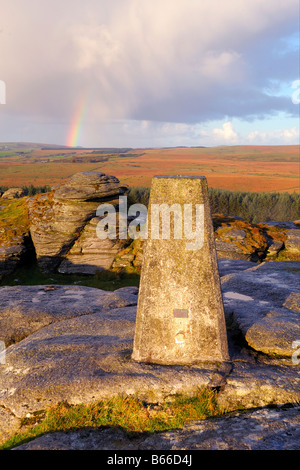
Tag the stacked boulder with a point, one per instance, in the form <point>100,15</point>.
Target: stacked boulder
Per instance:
<point>63,224</point>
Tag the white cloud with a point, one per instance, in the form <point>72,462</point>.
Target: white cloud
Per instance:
<point>226,134</point>
<point>173,61</point>
<point>276,136</point>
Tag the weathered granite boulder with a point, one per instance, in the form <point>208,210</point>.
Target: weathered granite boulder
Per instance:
<point>276,333</point>
<point>89,186</point>
<point>235,239</point>
<point>74,344</point>
<point>265,305</point>
<point>24,310</point>
<point>89,254</point>
<point>59,218</point>
<point>238,239</point>
<point>283,240</point>
<point>13,193</point>
<point>10,257</point>
<point>293,240</point>
<point>84,359</point>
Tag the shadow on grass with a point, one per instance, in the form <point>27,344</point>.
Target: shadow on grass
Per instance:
<point>30,275</point>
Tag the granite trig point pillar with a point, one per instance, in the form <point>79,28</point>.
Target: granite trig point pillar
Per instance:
<point>180,316</point>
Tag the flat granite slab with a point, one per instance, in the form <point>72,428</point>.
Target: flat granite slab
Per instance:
<point>74,344</point>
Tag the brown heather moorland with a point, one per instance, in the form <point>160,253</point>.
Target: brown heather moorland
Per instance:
<point>243,168</point>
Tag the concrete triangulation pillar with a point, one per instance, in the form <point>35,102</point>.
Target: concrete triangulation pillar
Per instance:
<point>180,315</point>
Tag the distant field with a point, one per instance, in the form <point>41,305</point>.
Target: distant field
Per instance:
<point>244,168</point>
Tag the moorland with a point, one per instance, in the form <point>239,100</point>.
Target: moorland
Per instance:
<point>72,356</point>
<point>235,168</point>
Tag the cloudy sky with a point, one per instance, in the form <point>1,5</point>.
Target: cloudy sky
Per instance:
<point>142,73</point>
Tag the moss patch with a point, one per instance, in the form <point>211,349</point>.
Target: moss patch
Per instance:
<point>14,221</point>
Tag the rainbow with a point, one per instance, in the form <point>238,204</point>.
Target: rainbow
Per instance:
<point>77,122</point>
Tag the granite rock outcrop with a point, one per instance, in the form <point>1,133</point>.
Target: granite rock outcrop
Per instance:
<point>61,347</point>
<point>62,223</point>
<point>59,230</point>
<point>13,193</point>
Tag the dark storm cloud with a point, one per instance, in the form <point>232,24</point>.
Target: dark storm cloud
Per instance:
<point>161,60</point>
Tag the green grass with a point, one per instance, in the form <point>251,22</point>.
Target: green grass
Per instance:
<point>7,153</point>
<point>128,413</point>
<point>107,280</point>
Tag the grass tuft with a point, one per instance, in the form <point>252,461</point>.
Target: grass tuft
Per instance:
<point>129,413</point>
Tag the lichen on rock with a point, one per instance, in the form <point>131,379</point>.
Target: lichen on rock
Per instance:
<point>67,215</point>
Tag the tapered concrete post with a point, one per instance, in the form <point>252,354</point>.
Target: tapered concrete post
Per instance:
<point>180,316</point>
